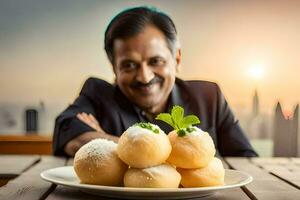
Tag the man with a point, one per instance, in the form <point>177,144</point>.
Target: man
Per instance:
<point>142,46</point>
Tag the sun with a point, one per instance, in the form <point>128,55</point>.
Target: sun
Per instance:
<point>256,72</point>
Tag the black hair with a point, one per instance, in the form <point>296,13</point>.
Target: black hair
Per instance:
<point>130,22</point>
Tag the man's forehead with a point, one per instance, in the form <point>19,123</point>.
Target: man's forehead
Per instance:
<point>150,42</point>
<point>156,49</point>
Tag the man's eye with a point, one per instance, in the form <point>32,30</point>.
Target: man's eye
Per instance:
<point>127,66</point>
<point>157,62</point>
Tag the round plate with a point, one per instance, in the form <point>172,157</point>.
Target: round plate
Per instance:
<point>66,176</point>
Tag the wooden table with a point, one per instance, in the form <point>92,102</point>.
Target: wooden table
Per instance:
<point>26,144</point>
<point>274,178</point>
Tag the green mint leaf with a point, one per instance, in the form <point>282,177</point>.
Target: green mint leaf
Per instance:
<point>166,117</point>
<point>189,120</point>
<point>181,133</point>
<point>177,115</point>
<point>183,125</point>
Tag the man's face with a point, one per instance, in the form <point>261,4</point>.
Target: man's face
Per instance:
<point>145,68</point>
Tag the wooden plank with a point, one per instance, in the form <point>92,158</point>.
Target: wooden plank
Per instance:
<point>26,144</point>
<point>293,167</point>
<point>297,182</point>
<point>296,161</point>
<point>26,138</point>
<point>286,195</point>
<point>284,172</point>
<point>66,193</point>
<point>278,163</point>
<point>244,165</point>
<point>29,185</point>
<point>271,160</point>
<point>237,160</point>
<point>43,148</point>
<point>267,185</point>
<point>264,185</point>
<point>13,165</point>
<point>231,194</point>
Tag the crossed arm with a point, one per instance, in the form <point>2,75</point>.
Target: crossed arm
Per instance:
<point>73,145</point>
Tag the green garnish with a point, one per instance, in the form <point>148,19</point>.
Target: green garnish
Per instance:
<point>181,133</point>
<point>176,119</point>
<point>149,126</point>
<point>190,129</point>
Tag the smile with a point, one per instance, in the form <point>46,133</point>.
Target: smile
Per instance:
<point>146,90</point>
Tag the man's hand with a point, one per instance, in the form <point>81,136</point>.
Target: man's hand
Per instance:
<point>73,145</point>
<point>90,120</point>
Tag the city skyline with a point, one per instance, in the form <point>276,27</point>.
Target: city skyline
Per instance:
<point>48,49</point>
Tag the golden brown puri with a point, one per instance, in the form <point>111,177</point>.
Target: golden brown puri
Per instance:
<point>211,175</point>
<point>193,150</point>
<point>97,163</point>
<point>161,176</point>
<point>141,148</point>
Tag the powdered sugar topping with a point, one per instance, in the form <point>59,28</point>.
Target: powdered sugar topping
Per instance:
<point>101,149</point>
<point>137,131</point>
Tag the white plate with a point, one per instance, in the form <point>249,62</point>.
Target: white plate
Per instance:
<point>66,176</point>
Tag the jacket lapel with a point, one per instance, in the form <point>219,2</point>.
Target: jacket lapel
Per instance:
<point>180,96</point>
<point>127,114</point>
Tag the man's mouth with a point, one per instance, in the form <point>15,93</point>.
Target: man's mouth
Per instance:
<point>146,89</point>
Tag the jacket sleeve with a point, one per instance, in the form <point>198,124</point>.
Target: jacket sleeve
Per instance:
<point>67,126</point>
<point>231,139</point>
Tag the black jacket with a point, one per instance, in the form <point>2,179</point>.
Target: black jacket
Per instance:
<point>115,114</point>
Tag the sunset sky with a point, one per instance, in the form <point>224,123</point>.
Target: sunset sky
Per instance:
<point>48,48</point>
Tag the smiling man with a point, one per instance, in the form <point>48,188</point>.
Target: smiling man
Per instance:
<point>142,46</point>
<point>145,69</point>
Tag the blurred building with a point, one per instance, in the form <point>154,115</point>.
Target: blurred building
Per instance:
<point>255,106</point>
<point>286,134</point>
<point>257,125</point>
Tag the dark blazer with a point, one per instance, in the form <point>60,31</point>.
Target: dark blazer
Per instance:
<point>115,114</point>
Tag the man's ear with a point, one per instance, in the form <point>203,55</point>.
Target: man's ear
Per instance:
<point>114,68</point>
<point>178,59</point>
<point>115,74</point>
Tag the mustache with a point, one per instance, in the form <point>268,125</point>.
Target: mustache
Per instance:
<point>138,84</point>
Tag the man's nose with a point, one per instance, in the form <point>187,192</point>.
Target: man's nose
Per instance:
<point>144,74</point>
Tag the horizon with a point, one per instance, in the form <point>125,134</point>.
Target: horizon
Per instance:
<point>48,49</point>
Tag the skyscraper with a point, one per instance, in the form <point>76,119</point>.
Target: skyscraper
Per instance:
<point>255,106</point>
<point>285,131</point>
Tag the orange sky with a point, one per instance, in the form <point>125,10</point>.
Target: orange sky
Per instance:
<point>49,48</point>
